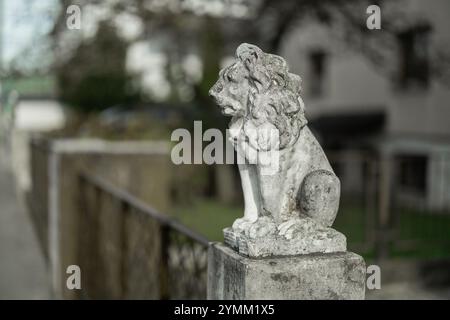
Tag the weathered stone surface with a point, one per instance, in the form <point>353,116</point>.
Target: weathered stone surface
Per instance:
<point>304,237</point>
<point>291,193</point>
<point>314,276</point>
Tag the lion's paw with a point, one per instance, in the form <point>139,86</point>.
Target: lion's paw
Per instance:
<point>291,227</point>
<point>241,224</point>
<point>261,227</point>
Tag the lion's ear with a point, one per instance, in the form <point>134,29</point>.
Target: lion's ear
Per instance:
<point>251,60</point>
<point>249,54</point>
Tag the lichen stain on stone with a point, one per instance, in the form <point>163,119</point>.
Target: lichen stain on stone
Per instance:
<point>333,295</point>
<point>278,277</point>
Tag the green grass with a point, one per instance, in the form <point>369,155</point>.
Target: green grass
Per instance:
<point>421,234</point>
<point>424,225</point>
<point>31,85</point>
<point>429,233</point>
<point>208,217</point>
<point>350,221</point>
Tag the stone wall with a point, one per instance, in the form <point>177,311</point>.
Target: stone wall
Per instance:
<point>142,168</point>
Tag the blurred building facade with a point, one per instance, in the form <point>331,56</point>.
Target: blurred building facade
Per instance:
<point>356,109</point>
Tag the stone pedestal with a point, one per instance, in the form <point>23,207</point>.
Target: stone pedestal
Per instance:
<point>339,275</point>
<point>309,238</point>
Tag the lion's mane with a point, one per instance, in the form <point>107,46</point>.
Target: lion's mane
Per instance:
<point>274,92</point>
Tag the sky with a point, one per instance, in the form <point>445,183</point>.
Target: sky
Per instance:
<point>23,22</point>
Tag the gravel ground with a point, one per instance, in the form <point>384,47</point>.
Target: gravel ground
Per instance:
<point>407,291</point>
<point>23,273</point>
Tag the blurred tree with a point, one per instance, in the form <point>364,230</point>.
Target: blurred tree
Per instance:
<point>211,54</point>
<point>94,77</point>
<point>178,30</point>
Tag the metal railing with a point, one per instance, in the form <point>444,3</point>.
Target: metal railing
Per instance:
<point>127,249</point>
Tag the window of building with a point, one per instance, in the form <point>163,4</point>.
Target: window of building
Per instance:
<point>317,61</point>
<point>414,60</point>
<point>412,172</point>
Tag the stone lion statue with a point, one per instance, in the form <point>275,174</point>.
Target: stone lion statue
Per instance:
<point>291,193</point>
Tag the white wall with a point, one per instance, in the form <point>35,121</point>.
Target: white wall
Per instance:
<point>31,116</point>
<point>418,120</point>
<point>38,115</point>
<point>419,111</point>
<point>354,84</point>
<point>351,83</point>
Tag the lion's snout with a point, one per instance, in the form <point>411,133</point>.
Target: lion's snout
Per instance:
<point>216,89</point>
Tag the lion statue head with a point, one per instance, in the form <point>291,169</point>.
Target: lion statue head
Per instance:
<point>259,87</point>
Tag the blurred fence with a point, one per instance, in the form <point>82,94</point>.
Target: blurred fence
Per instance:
<point>389,209</point>
<point>37,198</point>
<point>53,200</point>
<point>129,250</point>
